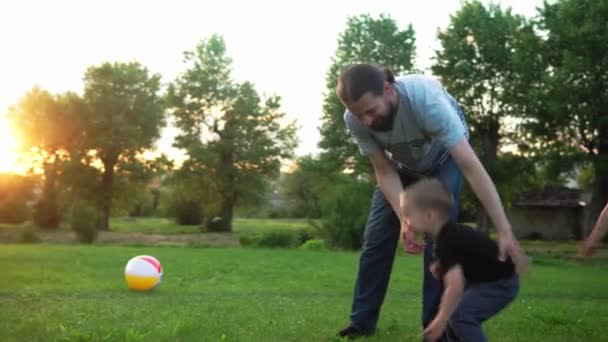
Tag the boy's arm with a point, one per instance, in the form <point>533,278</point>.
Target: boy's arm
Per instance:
<point>454,287</point>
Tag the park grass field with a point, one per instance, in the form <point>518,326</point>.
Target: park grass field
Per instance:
<point>78,293</point>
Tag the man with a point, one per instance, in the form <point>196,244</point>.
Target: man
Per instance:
<point>410,128</point>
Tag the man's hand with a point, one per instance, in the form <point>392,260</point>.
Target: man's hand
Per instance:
<point>509,247</point>
<point>599,231</point>
<point>587,248</point>
<point>435,329</point>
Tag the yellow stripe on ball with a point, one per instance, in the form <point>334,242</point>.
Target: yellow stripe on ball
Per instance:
<point>139,283</point>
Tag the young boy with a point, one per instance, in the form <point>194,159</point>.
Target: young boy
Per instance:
<point>477,285</point>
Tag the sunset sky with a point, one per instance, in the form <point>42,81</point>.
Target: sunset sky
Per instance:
<point>284,47</point>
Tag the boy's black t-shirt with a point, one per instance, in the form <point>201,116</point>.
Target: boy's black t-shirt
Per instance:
<point>476,253</point>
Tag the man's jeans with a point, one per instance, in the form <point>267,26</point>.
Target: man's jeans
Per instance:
<point>380,243</point>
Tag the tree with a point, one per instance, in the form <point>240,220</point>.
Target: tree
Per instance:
<point>124,116</point>
<point>15,192</point>
<point>136,185</point>
<point>306,185</point>
<point>474,64</point>
<point>365,40</point>
<point>585,177</point>
<point>230,134</point>
<point>569,94</point>
<point>49,132</point>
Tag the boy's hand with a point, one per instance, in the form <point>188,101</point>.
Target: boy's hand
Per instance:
<point>408,239</point>
<point>435,269</point>
<point>435,329</point>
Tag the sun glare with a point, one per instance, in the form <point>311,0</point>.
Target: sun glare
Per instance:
<point>8,147</point>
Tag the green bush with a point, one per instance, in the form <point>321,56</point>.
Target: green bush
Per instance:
<point>289,209</point>
<point>46,214</point>
<point>246,239</point>
<point>147,205</point>
<point>13,211</point>
<point>314,245</point>
<point>278,238</point>
<point>345,210</point>
<point>305,234</point>
<point>15,192</point>
<point>29,235</point>
<point>85,221</point>
<point>186,211</point>
<point>282,238</point>
<point>279,212</point>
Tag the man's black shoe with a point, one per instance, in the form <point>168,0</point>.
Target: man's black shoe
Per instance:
<point>353,332</point>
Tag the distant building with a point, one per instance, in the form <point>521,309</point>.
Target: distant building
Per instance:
<point>554,213</point>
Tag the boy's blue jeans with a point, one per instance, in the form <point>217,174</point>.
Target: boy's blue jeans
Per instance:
<point>379,246</point>
<point>480,302</point>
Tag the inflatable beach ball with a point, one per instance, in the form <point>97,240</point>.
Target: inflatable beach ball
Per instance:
<point>143,273</point>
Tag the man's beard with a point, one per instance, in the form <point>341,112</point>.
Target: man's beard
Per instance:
<point>385,124</point>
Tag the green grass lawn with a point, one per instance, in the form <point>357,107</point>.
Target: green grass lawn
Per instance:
<point>53,292</point>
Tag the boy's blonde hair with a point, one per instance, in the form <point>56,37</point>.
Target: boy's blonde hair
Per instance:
<point>429,193</point>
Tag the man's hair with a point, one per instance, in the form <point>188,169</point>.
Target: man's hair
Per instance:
<point>358,79</point>
<point>430,193</point>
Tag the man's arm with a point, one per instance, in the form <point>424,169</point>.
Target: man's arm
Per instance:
<point>387,178</point>
<point>452,294</point>
<point>599,230</point>
<point>485,190</point>
<point>390,184</point>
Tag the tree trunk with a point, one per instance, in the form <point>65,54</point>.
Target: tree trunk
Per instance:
<point>489,145</point>
<point>229,189</point>
<point>47,211</point>
<point>155,200</point>
<point>107,182</point>
<point>226,212</point>
<point>49,193</point>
